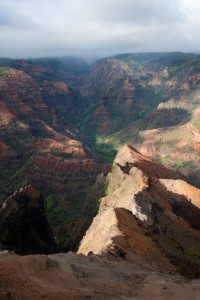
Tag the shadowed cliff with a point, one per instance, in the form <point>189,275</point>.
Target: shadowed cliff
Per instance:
<point>23,224</point>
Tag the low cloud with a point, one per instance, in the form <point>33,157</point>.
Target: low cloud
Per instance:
<point>96,28</point>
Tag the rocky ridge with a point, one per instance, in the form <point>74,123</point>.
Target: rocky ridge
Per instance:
<point>151,215</point>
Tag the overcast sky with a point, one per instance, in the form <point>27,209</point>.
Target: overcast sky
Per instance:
<point>31,28</point>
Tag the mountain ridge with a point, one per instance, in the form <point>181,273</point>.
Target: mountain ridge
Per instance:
<point>147,204</point>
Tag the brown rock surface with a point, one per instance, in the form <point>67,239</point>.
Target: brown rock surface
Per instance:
<point>149,205</point>
<point>71,276</point>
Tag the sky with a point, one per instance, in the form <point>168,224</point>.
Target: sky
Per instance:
<point>90,28</point>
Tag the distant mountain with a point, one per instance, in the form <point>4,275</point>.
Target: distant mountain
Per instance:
<point>68,64</point>
<point>150,100</point>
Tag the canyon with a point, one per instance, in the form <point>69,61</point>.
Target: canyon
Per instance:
<point>63,121</point>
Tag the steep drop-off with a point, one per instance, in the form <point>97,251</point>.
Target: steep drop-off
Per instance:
<point>151,215</point>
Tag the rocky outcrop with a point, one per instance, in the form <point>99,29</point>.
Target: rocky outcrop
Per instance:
<point>79,277</point>
<point>150,215</point>
<point>23,224</point>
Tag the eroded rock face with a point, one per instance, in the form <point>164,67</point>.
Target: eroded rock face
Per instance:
<point>23,224</point>
<point>150,214</point>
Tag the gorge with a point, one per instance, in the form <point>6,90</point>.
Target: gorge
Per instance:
<point>134,222</point>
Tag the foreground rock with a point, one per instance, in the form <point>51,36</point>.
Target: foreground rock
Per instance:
<point>23,224</point>
<point>71,276</point>
<point>150,216</point>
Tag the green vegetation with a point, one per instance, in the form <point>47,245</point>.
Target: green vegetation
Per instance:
<point>194,253</point>
<point>4,72</point>
<point>24,182</point>
<point>108,184</point>
<point>55,213</point>
<point>178,64</point>
<point>20,178</point>
<point>196,123</point>
<point>3,196</point>
<point>169,117</point>
<point>181,163</point>
<point>105,151</point>
<point>164,160</point>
